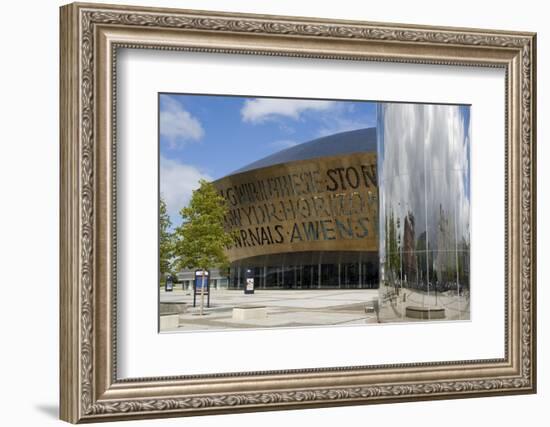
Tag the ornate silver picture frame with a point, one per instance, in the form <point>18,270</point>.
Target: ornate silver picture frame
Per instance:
<point>92,37</point>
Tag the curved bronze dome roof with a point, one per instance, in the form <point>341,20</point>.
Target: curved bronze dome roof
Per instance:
<point>353,141</point>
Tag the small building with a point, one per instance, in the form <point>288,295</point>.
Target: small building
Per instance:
<point>219,279</point>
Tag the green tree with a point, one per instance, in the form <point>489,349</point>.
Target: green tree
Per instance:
<point>166,241</point>
<point>201,238</point>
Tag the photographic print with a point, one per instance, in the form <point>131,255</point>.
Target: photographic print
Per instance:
<point>278,212</point>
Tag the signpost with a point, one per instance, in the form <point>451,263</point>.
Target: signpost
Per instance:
<point>249,283</point>
<point>202,287</point>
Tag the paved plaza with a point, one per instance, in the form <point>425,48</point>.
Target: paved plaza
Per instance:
<point>299,308</point>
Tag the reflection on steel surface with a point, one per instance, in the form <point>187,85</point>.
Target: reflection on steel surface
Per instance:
<point>424,184</point>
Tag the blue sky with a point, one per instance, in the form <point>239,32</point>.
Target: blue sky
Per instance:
<point>204,136</point>
<point>210,136</point>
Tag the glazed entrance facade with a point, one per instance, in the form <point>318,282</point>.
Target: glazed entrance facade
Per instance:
<point>313,270</point>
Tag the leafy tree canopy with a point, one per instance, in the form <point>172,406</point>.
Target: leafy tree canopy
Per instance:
<point>166,240</point>
<point>201,238</point>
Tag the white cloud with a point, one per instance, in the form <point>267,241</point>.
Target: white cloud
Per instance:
<point>177,124</point>
<point>177,182</point>
<point>260,110</point>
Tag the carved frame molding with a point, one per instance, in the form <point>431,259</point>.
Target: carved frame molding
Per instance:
<point>90,37</point>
